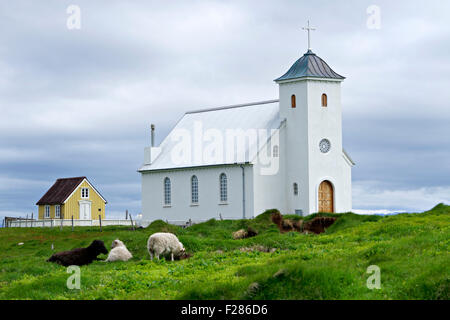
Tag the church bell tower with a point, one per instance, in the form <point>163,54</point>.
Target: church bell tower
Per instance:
<point>318,171</point>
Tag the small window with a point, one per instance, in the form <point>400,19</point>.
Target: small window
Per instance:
<point>223,188</point>
<point>57,211</point>
<point>194,189</point>
<point>295,189</point>
<point>85,193</point>
<point>47,212</point>
<point>324,100</point>
<point>275,151</point>
<point>293,102</point>
<point>167,192</point>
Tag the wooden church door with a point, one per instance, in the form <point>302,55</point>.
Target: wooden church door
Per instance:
<point>326,197</point>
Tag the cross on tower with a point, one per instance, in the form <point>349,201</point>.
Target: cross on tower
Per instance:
<point>308,28</point>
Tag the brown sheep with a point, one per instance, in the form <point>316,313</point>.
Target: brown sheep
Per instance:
<point>79,256</point>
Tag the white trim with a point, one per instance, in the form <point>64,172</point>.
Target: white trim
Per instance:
<point>86,191</point>
<point>347,158</point>
<point>308,78</point>
<point>45,211</point>
<point>59,207</point>
<point>85,179</point>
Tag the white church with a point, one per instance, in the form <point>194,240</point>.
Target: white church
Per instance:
<point>237,161</point>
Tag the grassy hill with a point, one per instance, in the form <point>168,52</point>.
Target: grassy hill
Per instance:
<point>412,251</point>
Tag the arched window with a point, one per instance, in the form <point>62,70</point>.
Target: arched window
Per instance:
<point>275,151</point>
<point>223,188</point>
<point>293,102</point>
<point>167,192</point>
<point>324,100</point>
<point>295,189</point>
<point>194,189</point>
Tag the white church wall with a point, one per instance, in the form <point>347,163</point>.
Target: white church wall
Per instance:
<point>296,146</point>
<point>326,123</point>
<point>269,190</point>
<point>209,206</point>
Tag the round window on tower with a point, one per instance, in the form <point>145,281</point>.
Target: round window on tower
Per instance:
<point>324,145</point>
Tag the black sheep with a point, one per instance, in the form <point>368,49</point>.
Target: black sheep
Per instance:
<point>79,256</point>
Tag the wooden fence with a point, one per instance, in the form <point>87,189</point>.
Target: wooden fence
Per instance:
<point>23,223</point>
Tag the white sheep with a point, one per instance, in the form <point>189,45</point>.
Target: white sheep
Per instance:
<point>161,243</point>
<point>119,252</point>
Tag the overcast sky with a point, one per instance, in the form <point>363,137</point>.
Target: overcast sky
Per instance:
<point>80,102</point>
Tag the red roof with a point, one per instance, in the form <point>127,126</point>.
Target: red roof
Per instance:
<point>60,191</point>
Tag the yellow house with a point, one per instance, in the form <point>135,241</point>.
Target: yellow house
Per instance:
<point>69,197</point>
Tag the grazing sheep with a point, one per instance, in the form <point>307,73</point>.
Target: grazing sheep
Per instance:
<point>162,243</point>
<point>119,252</point>
<point>79,256</point>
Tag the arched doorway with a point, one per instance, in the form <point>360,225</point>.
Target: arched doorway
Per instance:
<point>326,197</point>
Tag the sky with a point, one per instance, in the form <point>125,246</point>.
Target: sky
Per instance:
<point>79,102</point>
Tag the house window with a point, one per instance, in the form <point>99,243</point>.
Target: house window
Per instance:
<point>223,188</point>
<point>293,102</point>
<point>324,100</point>
<point>167,192</point>
<point>47,212</point>
<point>85,193</point>
<point>194,189</point>
<point>275,151</point>
<point>295,189</point>
<point>58,211</point>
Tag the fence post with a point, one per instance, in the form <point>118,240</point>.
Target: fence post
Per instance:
<point>100,221</point>
<point>26,221</point>
<point>132,224</point>
<point>126,215</point>
<point>61,224</point>
<point>32,219</point>
<point>51,223</point>
<point>72,223</point>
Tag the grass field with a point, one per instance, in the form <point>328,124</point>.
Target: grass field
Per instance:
<point>412,251</point>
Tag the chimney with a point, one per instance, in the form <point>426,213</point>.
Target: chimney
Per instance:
<point>152,126</point>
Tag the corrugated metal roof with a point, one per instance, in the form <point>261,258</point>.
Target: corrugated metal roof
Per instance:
<point>259,115</point>
<point>60,190</point>
<point>310,65</point>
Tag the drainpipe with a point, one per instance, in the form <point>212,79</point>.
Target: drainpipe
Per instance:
<point>243,191</point>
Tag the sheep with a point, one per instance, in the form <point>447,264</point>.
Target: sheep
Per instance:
<point>119,252</point>
<point>162,243</point>
<point>79,256</point>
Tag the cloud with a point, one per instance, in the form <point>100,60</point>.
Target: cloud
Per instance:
<point>368,196</point>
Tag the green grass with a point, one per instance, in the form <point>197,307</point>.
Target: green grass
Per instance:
<point>412,251</point>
